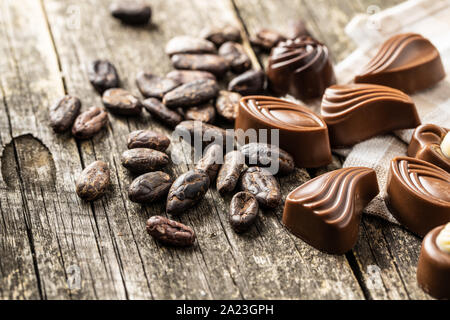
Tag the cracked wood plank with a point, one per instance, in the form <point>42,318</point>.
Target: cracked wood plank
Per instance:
<point>385,257</point>
<point>223,264</point>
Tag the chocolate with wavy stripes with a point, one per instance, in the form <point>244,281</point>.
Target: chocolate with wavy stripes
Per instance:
<point>433,269</point>
<point>300,67</point>
<point>326,211</point>
<point>356,112</point>
<point>407,62</point>
<point>426,145</point>
<point>418,194</point>
<point>302,133</point>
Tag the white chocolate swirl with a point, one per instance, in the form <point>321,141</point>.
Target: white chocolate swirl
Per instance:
<point>443,239</point>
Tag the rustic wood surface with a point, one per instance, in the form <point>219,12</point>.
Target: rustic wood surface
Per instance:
<point>55,246</point>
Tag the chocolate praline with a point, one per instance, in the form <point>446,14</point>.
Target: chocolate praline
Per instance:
<point>300,67</point>
<point>433,269</point>
<point>426,145</point>
<point>418,194</point>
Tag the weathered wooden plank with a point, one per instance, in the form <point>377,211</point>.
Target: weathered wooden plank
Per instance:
<point>223,264</point>
<point>38,169</point>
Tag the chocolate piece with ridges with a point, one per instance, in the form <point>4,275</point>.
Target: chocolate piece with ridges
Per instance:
<point>230,172</point>
<point>103,75</point>
<point>154,86</point>
<point>89,123</point>
<point>63,113</point>
<point>264,155</point>
<point>186,76</point>
<point>302,133</point>
<point>418,194</point>
<point>192,94</point>
<point>211,161</point>
<point>227,104</point>
<point>121,102</point>
<point>356,112</point>
<point>407,62</point>
<point>433,269</point>
<point>188,44</point>
<point>244,210</point>
<point>148,139</point>
<point>212,63</point>
<point>326,211</point>
<point>235,55</point>
<point>170,232</point>
<point>131,12</point>
<point>93,181</point>
<point>150,187</point>
<point>426,145</point>
<point>159,111</point>
<point>142,160</point>
<point>187,191</point>
<point>263,185</point>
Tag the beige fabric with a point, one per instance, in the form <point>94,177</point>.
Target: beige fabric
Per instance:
<point>430,18</point>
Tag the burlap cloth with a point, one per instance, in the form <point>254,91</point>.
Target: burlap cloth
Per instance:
<point>430,18</point>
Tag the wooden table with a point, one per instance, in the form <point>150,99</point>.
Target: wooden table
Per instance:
<point>55,246</point>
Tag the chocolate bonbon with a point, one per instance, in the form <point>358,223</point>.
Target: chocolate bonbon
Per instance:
<point>407,62</point>
<point>433,270</point>
<point>418,194</point>
<point>302,133</point>
<point>326,211</point>
<point>301,68</point>
<point>356,112</point>
<point>427,143</point>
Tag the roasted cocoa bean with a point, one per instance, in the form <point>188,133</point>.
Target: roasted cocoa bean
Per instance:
<point>211,161</point>
<point>249,83</point>
<point>205,113</point>
<point>186,76</point>
<point>244,210</point>
<point>152,86</point>
<point>143,160</point>
<point>266,39</point>
<point>170,232</point>
<point>235,55</point>
<point>227,104</point>
<point>131,12</point>
<point>208,133</point>
<point>187,191</point>
<point>263,185</point>
<point>93,181</point>
<point>150,187</point>
<point>89,123</point>
<point>103,75</point>
<point>192,94</point>
<point>121,102</point>
<point>159,111</point>
<point>221,35</point>
<point>230,172</point>
<point>188,44</point>
<point>203,62</point>
<point>148,139</point>
<point>264,155</point>
<point>63,113</point>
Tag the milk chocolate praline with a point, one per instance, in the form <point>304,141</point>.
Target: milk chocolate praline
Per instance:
<point>426,145</point>
<point>326,211</point>
<point>407,62</point>
<point>356,112</point>
<point>302,133</point>
<point>433,269</point>
<point>301,68</point>
<point>418,194</point>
